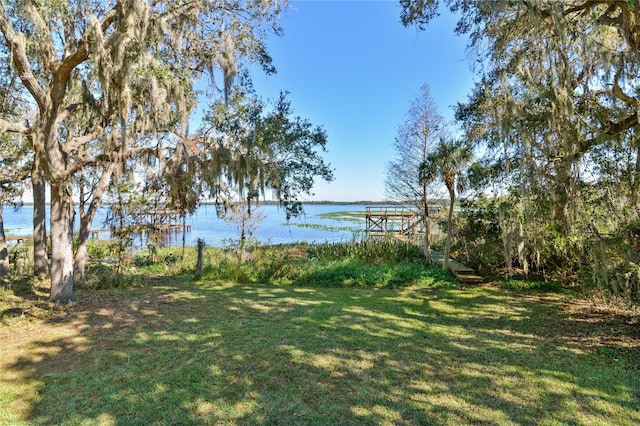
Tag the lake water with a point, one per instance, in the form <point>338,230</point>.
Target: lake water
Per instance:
<point>205,224</point>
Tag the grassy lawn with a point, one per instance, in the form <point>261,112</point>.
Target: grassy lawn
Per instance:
<point>178,352</point>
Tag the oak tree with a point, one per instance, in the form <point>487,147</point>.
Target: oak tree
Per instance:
<point>106,71</point>
<point>556,112</point>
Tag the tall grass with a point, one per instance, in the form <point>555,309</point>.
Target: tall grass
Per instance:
<point>372,264</point>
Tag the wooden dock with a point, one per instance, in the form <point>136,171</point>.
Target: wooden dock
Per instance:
<point>385,221</point>
<point>407,225</point>
<point>163,229</point>
<point>93,234</point>
<point>463,273</point>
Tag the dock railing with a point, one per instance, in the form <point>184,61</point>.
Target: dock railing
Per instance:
<point>393,221</point>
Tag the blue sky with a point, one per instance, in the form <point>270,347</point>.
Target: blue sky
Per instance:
<point>351,67</point>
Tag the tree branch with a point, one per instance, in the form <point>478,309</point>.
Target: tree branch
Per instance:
<point>111,157</point>
<point>613,129</point>
<point>606,19</point>
<point>609,129</point>
<point>48,51</point>
<point>592,3</point>
<point>66,113</point>
<point>17,45</point>
<point>77,142</point>
<point>619,93</point>
<point>109,18</point>
<point>9,127</point>
<point>63,71</point>
<point>19,176</point>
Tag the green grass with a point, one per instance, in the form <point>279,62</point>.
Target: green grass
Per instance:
<point>353,229</point>
<point>220,352</point>
<point>351,216</point>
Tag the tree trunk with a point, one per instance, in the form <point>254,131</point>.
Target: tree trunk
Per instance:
<point>425,198</point>
<point>563,192</point>
<point>635,179</point>
<point>153,249</point>
<point>86,219</point>
<point>427,223</point>
<point>427,236</point>
<point>521,254</point>
<point>184,233</point>
<point>505,226</point>
<point>4,254</point>
<point>40,257</point>
<point>61,243</point>
<point>243,239</point>
<point>447,244</point>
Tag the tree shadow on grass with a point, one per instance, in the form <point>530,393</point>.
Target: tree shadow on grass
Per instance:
<point>23,296</point>
<point>208,354</point>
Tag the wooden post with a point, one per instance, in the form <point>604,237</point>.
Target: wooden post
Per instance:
<point>198,273</point>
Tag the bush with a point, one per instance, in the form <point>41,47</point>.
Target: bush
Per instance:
<point>531,285</point>
<point>581,256</point>
<point>101,249</point>
<point>101,276</point>
<point>21,258</point>
<point>615,263</point>
<point>478,236</point>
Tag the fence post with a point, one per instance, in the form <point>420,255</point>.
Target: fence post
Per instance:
<point>198,273</point>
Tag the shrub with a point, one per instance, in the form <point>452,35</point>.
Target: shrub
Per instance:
<point>101,276</point>
<point>615,261</point>
<point>101,249</point>
<point>478,236</point>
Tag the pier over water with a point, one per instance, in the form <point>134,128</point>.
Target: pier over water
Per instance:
<point>408,225</point>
